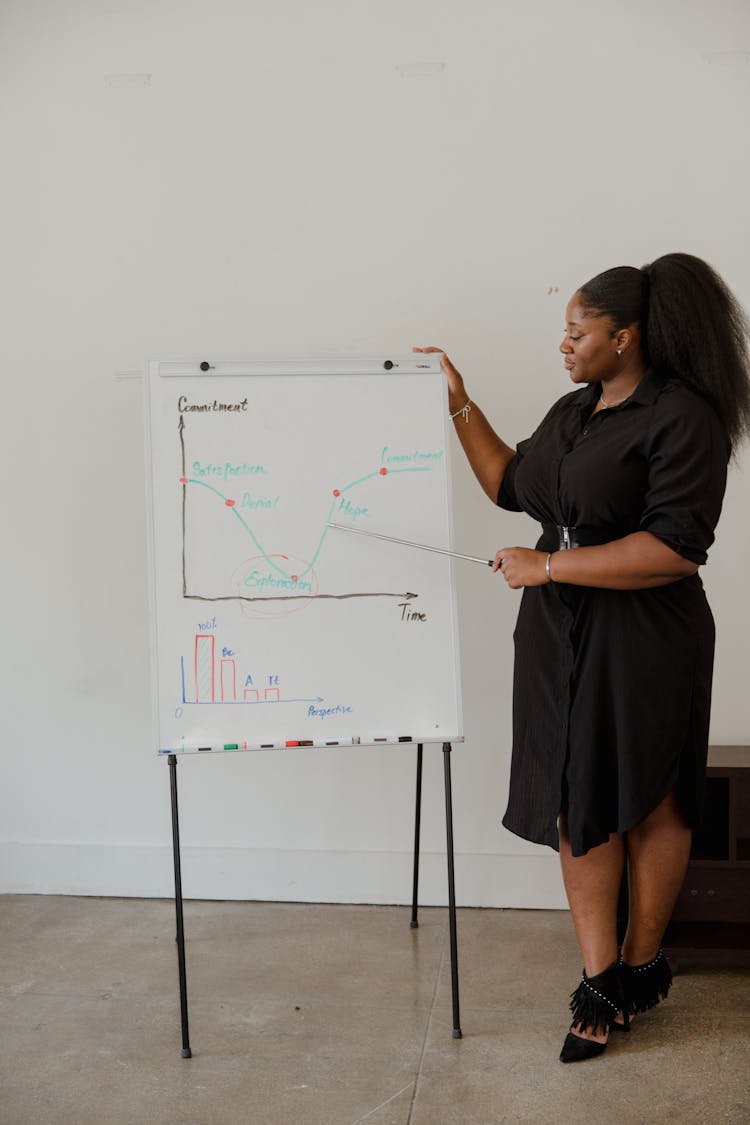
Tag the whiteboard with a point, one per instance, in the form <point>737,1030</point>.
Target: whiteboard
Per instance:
<point>270,627</point>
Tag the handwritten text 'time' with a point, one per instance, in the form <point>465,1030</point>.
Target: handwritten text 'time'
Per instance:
<point>408,614</point>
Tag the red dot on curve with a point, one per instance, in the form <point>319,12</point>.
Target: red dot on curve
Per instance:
<point>383,472</point>
<point>183,480</point>
<point>295,578</point>
<point>230,503</point>
<point>337,492</point>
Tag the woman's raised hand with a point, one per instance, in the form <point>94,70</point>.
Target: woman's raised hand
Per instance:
<point>487,453</point>
<point>455,380</point>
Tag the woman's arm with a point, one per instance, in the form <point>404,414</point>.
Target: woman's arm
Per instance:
<point>487,454</point>
<point>637,562</point>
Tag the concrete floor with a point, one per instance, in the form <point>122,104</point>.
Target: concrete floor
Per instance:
<point>335,1015</point>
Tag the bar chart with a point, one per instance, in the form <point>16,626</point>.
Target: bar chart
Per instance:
<point>211,676</point>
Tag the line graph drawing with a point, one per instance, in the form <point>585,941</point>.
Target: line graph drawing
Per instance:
<point>289,584</point>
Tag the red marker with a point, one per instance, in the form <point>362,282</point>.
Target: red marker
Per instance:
<point>383,472</point>
<point>230,503</point>
<point>291,743</point>
<point>336,492</point>
<point>183,480</point>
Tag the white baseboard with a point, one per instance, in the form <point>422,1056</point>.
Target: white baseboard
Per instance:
<point>521,881</point>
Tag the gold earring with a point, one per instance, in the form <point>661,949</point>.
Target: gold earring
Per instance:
<point>619,351</point>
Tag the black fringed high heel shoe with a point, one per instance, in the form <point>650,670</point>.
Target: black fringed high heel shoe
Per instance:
<point>645,985</point>
<point>594,1005</point>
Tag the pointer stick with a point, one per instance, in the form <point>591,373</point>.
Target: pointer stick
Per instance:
<point>408,543</point>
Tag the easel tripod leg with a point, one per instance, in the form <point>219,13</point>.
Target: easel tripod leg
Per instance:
<point>417,821</point>
<point>186,1052</point>
<point>451,888</point>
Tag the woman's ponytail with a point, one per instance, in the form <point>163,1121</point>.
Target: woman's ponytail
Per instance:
<point>694,329</point>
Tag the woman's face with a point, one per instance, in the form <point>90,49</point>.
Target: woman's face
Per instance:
<point>589,345</point>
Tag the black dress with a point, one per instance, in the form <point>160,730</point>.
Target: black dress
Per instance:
<point>612,688</point>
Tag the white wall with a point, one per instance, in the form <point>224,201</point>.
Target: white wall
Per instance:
<point>280,185</point>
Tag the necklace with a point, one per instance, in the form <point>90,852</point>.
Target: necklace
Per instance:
<point>607,405</point>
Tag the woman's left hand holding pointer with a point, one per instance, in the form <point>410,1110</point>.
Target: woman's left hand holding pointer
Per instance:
<point>521,566</point>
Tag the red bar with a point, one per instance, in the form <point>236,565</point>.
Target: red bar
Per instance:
<point>212,639</point>
<point>233,685</point>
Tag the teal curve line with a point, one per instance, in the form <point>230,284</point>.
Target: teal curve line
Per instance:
<point>424,470</point>
<point>333,505</point>
<point>311,564</point>
<point>314,559</point>
<point>360,481</point>
<point>247,527</point>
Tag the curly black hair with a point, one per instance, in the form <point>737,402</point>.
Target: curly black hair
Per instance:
<point>692,327</point>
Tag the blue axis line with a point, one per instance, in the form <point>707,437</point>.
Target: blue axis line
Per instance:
<point>245,702</point>
<point>258,544</point>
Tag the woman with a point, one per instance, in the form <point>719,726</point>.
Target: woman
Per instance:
<point>614,639</point>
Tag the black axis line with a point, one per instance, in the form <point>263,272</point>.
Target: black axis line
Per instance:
<point>291,597</point>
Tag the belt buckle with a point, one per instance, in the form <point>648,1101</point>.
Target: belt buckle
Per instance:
<point>566,537</point>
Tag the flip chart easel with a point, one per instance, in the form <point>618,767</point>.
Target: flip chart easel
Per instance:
<point>254,603</point>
